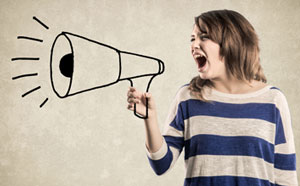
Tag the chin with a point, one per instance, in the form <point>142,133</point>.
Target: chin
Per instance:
<point>204,76</point>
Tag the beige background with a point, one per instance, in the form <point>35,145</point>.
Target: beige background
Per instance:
<point>92,139</point>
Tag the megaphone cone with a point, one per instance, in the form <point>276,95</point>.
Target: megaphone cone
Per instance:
<point>79,64</point>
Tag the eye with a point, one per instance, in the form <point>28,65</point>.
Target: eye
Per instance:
<point>193,39</point>
<point>204,37</point>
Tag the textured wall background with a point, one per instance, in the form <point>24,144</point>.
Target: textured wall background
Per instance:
<point>91,139</point>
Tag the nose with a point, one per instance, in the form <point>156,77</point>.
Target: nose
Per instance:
<point>195,46</point>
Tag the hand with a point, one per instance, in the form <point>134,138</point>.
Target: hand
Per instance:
<point>136,97</point>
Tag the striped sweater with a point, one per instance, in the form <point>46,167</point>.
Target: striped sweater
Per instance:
<point>237,140</point>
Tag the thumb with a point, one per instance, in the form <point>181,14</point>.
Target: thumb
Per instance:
<point>148,95</point>
<point>150,100</point>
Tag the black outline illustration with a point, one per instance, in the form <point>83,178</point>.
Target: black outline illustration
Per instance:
<point>24,75</point>
<point>30,59</point>
<point>43,24</point>
<point>25,58</point>
<point>30,91</point>
<point>29,38</point>
<point>45,101</point>
<point>160,64</point>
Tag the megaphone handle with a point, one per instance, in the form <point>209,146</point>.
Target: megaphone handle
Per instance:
<point>135,113</point>
<point>139,116</point>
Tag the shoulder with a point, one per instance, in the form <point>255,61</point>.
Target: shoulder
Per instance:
<point>277,93</point>
<point>183,93</point>
<point>183,89</point>
<point>280,99</point>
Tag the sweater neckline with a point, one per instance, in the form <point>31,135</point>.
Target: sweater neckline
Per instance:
<point>245,95</point>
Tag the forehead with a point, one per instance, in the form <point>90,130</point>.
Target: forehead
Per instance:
<point>195,30</point>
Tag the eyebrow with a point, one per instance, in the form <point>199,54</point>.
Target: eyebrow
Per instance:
<point>198,34</point>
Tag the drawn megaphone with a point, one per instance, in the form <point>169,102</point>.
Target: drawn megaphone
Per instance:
<point>79,64</point>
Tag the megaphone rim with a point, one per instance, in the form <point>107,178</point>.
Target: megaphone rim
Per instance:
<point>51,54</point>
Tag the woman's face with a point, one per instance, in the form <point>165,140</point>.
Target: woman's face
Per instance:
<point>206,55</point>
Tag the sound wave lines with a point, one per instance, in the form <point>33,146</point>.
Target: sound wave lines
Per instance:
<point>44,103</point>
<point>24,75</point>
<point>29,38</point>
<point>45,26</point>
<point>30,91</point>
<point>30,58</point>
<point>25,58</point>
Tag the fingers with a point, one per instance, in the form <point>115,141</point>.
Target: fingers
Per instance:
<point>132,92</point>
<point>132,98</point>
<point>140,99</point>
<point>130,107</point>
<point>132,89</point>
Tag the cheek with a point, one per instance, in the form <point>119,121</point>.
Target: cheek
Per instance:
<point>214,51</point>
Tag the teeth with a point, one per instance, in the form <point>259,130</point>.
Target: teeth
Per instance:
<point>199,55</point>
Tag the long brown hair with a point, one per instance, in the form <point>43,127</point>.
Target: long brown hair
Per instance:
<point>238,43</point>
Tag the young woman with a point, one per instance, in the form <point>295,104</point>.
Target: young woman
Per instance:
<point>234,128</point>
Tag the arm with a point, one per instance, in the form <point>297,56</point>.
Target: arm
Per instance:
<point>285,154</point>
<point>154,139</point>
<point>162,150</point>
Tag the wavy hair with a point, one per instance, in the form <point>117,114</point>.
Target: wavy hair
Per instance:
<point>238,43</point>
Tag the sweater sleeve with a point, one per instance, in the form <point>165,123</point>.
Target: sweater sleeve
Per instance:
<point>285,154</point>
<point>173,140</point>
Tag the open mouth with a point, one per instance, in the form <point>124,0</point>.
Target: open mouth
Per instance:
<point>201,60</point>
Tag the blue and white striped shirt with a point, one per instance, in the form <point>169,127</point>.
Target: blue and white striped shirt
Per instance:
<point>238,139</point>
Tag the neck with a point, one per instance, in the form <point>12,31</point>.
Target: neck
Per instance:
<point>233,85</point>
